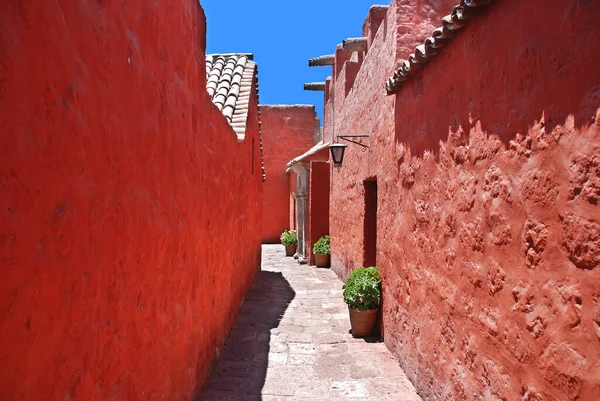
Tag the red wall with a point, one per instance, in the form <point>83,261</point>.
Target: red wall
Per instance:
<point>121,269</point>
<point>288,132</point>
<point>318,207</point>
<point>488,219</point>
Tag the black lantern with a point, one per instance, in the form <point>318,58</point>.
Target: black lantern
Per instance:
<point>337,153</point>
<point>337,149</point>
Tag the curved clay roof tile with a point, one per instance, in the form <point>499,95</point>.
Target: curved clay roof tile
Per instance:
<point>440,37</point>
<point>230,80</point>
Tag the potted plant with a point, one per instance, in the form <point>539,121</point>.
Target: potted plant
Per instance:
<point>321,250</point>
<point>362,293</point>
<point>289,239</point>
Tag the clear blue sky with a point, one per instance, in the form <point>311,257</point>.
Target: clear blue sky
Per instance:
<point>283,35</point>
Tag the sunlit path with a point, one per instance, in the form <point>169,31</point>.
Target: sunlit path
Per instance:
<point>291,341</point>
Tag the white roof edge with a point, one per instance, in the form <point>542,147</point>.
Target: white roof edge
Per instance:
<point>318,147</point>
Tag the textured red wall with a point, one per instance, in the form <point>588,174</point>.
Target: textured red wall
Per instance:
<point>288,132</point>
<point>121,269</point>
<point>318,208</point>
<point>488,222</point>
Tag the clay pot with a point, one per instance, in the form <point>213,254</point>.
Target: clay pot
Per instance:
<point>290,250</point>
<point>362,322</point>
<point>322,259</point>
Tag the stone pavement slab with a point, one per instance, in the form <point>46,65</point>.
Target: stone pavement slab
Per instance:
<point>291,341</point>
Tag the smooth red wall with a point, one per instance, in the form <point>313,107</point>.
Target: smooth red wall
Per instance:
<point>288,132</point>
<point>488,219</point>
<point>121,269</point>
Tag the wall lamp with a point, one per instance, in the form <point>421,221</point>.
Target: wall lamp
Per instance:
<point>338,149</point>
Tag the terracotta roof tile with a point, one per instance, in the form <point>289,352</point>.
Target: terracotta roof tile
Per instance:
<point>229,80</point>
<point>432,45</point>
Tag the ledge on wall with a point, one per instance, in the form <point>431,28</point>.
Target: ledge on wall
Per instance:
<point>312,151</point>
<point>440,37</point>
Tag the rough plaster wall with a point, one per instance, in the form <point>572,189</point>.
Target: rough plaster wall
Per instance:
<point>121,269</point>
<point>415,20</point>
<point>488,220</point>
<point>364,111</point>
<point>328,116</point>
<point>288,132</point>
<point>371,25</point>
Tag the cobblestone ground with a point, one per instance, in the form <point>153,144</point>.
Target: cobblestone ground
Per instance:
<point>292,342</point>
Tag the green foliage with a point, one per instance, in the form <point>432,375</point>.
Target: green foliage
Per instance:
<point>322,246</point>
<point>363,288</point>
<point>289,238</point>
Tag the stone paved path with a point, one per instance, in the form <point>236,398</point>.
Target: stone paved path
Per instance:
<point>292,342</point>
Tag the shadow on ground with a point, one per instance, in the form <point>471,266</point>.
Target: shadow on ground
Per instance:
<point>375,338</point>
<point>241,371</point>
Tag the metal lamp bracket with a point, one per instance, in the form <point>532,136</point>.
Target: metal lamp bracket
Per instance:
<point>345,138</point>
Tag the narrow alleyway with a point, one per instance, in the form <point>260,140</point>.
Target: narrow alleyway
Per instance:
<point>292,342</point>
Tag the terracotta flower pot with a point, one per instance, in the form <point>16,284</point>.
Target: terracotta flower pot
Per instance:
<point>290,250</point>
<point>322,259</point>
<point>362,322</point>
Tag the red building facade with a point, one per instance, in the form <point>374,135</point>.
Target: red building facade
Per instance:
<point>115,209</point>
<point>288,130</point>
<point>310,201</point>
<point>478,197</point>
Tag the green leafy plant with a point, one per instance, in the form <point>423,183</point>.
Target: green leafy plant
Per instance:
<point>363,288</point>
<point>289,238</point>
<point>322,246</point>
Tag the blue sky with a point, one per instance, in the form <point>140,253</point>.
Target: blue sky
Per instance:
<point>283,35</point>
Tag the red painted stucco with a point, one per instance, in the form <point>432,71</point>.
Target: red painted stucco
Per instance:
<point>288,132</point>
<point>488,227</point>
<point>124,250</point>
<point>318,207</point>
